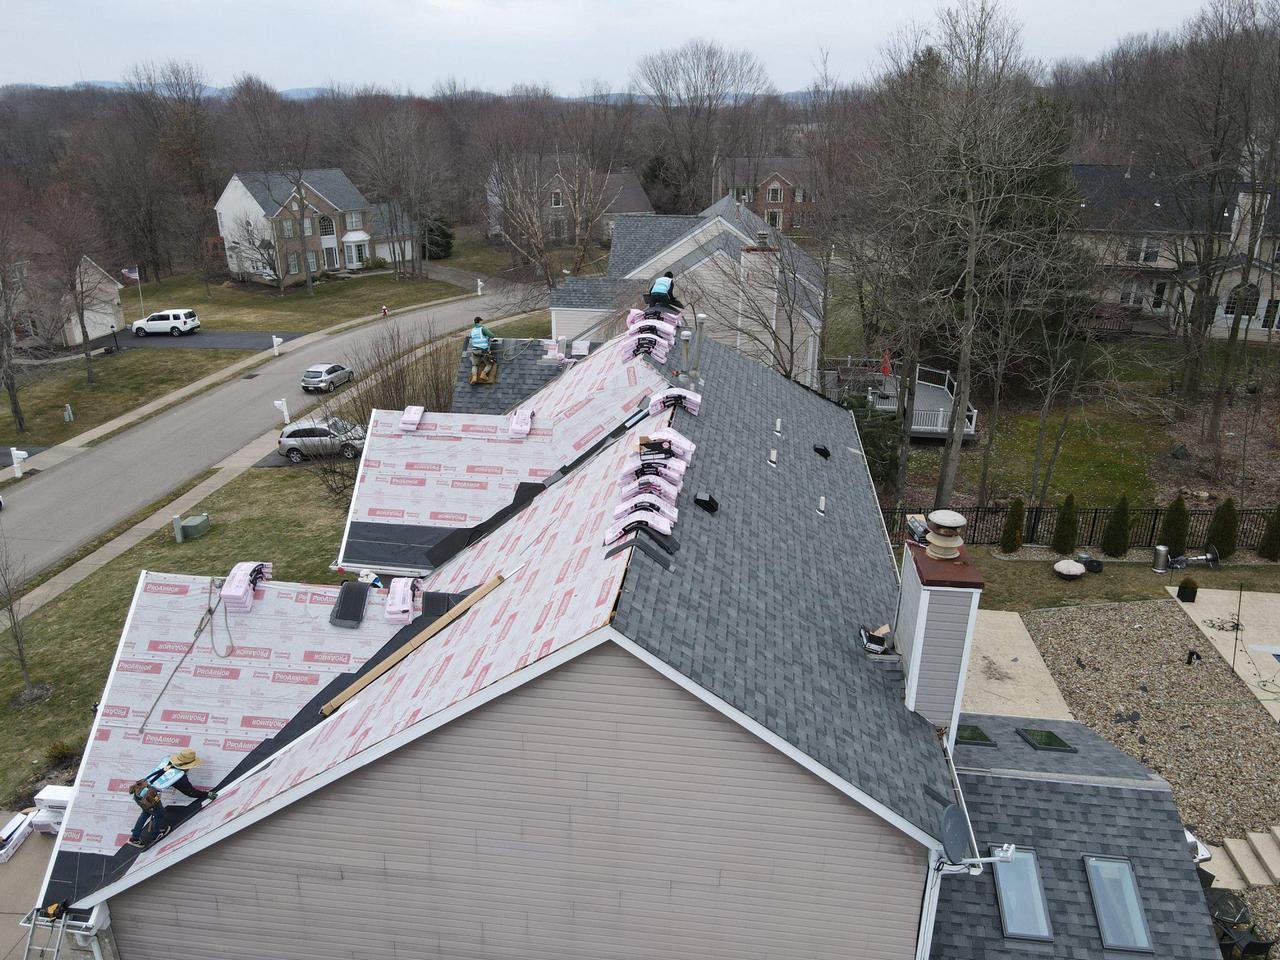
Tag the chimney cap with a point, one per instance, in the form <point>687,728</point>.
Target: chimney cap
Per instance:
<point>947,519</point>
<point>943,539</point>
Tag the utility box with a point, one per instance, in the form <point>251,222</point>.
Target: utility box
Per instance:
<point>196,526</point>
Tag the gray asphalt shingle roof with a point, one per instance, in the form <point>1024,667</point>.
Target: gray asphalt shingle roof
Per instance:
<point>638,237</point>
<point>272,189</point>
<point>752,171</point>
<point>521,373</point>
<point>596,293</point>
<point>626,193</point>
<point>1064,806</point>
<point>764,599</point>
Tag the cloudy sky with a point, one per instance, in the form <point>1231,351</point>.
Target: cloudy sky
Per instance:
<point>410,44</point>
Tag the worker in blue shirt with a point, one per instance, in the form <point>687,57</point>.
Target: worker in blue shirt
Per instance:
<point>171,772</point>
<point>663,292</point>
<point>481,356</point>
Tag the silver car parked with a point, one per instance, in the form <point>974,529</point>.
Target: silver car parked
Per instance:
<point>326,377</point>
<point>321,437</point>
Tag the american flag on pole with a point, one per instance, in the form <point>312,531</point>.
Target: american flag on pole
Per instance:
<point>130,273</point>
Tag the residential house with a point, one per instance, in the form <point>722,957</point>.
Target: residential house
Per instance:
<point>1141,228</point>
<point>776,189</point>
<point>757,289</point>
<point>552,182</point>
<point>600,734</point>
<point>270,233</point>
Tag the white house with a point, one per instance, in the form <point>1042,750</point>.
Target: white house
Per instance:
<point>103,309</point>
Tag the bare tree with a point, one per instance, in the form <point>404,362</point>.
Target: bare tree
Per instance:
<point>13,576</point>
<point>14,302</point>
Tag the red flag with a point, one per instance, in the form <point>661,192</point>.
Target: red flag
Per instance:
<point>885,368</point>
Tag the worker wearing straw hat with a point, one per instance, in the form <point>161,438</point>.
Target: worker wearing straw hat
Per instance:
<point>169,773</point>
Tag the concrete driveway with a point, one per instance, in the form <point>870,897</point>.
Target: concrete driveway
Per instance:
<point>1007,676</point>
<point>51,514</point>
<point>204,340</point>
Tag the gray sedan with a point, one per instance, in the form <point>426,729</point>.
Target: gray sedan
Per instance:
<point>326,377</point>
<point>321,437</point>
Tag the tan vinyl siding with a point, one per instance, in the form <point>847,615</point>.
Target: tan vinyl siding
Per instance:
<point>599,811</point>
<point>946,625</point>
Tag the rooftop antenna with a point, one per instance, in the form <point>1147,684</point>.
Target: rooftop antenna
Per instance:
<point>954,828</point>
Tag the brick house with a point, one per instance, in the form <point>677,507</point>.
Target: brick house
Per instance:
<point>776,189</point>
<point>271,233</point>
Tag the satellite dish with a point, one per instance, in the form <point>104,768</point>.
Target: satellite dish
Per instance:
<point>955,834</point>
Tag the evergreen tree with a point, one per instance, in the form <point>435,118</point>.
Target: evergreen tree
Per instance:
<point>1066,530</point>
<point>1269,548</point>
<point>1115,537</point>
<point>1173,529</point>
<point>880,437</point>
<point>1223,529</point>
<point>1014,520</point>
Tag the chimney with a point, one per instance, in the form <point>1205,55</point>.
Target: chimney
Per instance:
<point>937,607</point>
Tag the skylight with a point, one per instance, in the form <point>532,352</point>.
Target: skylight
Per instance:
<point>1021,897</point>
<point>1117,904</point>
<point>1045,740</point>
<point>972,735</point>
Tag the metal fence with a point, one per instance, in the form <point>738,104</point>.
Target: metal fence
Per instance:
<point>986,524</point>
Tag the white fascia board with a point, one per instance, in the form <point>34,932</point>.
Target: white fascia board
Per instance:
<point>93,733</point>
<point>346,529</point>
<point>929,908</point>
<point>772,739</point>
<point>511,681</point>
<point>964,668</point>
<point>917,646</point>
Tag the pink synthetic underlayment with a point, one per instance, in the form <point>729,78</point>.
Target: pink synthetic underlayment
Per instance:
<point>559,587</point>
<point>225,693</point>
<point>456,470</point>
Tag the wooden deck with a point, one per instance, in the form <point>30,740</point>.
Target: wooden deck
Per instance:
<point>935,397</point>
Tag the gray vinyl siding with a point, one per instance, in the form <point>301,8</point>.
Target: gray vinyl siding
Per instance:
<point>910,598</point>
<point>945,629</point>
<point>599,811</point>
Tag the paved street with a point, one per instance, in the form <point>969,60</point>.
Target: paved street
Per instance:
<point>51,514</point>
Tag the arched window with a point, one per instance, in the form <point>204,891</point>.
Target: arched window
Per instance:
<point>326,226</point>
<point>1244,299</point>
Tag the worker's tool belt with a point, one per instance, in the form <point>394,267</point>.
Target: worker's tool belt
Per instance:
<point>144,792</point>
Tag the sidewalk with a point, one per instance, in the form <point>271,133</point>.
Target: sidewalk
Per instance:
<point>64,451</point>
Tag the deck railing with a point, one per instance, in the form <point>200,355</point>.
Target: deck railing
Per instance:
<point>932,421</point>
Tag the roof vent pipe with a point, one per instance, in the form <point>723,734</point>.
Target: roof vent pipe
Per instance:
<point>699,323</point>
<point>944,539</point>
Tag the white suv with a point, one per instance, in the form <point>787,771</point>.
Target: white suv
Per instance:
<point>173,322</point>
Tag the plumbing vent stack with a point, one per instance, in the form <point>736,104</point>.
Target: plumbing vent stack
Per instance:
<point>943,539</point>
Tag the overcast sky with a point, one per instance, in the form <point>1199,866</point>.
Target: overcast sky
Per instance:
<point>410,44</point>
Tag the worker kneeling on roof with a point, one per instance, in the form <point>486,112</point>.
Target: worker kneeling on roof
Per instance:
<point>663,292</point>
<point>481,356</point>
<point>171,772</point>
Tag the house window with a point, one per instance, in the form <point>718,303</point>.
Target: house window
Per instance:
<point>797,195</point>
<point>973,736</point>
<point>773,218</point>
<point>1243,298</point>
<point>1131,292</point>
<point>1133,253</point>
<point>557,229</point>
<point>1117,904</point>
<point>1269,318</point>
<point>361,254</point>
<point>294,206</point>
<point>287,226</point>
<point>326,226</point>
<point>219,213</point>
<point>354,220</point>
<point>1020,897</point>
<point>311,260</point>
<point>557,198</point>
<point>1045,740</point>
<point>1150,251</point>
<point>306,226</point>
<point>1157,296</point>
<point>775,194</point>
<point>293,263</point>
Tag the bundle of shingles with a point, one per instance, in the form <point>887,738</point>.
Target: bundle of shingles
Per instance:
<point>237,589</point>
<point>652,331</point>
<point>649,484</point>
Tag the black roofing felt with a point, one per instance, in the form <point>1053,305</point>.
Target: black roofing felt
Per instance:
<point>1064,806</point>
<point>763,600</point>
<point>521,373</point>
<point>402,545</point>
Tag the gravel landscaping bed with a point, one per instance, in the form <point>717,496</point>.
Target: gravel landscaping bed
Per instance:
<point>1122,669</point>
<point>1142,555</point>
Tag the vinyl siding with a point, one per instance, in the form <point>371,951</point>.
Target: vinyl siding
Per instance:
<point>569,322</point>
<point>600,811</point>
<point>946,625</point>
<point>910,599</point>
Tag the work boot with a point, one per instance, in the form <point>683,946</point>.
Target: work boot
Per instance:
<point>474,377</point>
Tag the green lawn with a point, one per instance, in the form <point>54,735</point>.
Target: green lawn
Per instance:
<point>536,325</point>
<point>124,381</point>
<point>256,306</point>
<point>72,639</point>
<point>472,251</point>
<point>1104,454</point>
<point>1028,585</point>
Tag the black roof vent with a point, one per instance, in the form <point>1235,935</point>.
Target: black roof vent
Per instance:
<point>707,502</point>
<point>348,610</point>
<point>822,451</point>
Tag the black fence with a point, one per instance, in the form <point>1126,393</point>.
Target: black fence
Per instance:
<point>986,524</point>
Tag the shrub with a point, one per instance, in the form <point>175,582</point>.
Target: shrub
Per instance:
<point>1066,530</point>
<point>1269,548</point>
<point>1115,537</point>
<point>880,437</point>
<point>1173,529</point>
<point>1014,521</point>
<point>1223,529</point>
<point>376,263</point>
<point>60,753</point>
<point>439,239</point>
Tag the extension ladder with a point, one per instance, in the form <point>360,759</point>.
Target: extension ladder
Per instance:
<point>51,949</point>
